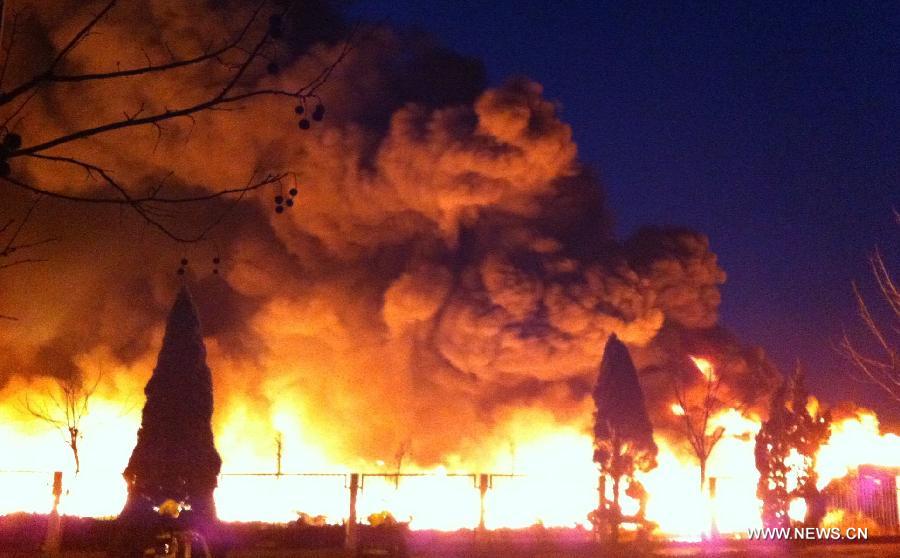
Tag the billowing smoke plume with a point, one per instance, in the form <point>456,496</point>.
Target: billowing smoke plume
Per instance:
<point>449,269</point>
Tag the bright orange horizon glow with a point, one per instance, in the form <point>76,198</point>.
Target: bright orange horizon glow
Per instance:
<point>550,477</point>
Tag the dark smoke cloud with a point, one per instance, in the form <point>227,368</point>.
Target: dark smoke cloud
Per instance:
<point>449,262</point>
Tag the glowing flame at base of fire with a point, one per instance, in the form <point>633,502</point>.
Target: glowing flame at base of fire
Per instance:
<point>550,478</point>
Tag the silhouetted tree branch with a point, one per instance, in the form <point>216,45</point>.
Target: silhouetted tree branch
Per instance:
<point>698,405</point>
<point>235,59</point>
<point>232,66</point>
<point>12,249</point>
<point>879,365</point>
<point>64,407</point>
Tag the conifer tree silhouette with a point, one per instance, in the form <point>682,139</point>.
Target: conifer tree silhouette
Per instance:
<point>623,435</point>
<point>175,456</point>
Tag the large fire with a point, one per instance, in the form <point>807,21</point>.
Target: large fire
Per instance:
<point>446,280</point>
<point>547,476</point>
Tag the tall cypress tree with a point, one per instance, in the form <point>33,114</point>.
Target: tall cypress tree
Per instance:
<point>175,457</point>
<point>623,434</point>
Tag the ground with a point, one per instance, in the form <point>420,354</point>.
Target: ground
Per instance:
<point>851,551</point>
<point>21,536</point>
<point>856,551</point>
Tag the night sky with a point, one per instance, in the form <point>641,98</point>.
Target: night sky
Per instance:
<point>773,130</point>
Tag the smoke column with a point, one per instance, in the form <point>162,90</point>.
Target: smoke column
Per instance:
<point>449,268</point>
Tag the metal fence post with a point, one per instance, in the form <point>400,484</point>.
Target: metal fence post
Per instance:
<point>54,526</point>
<point>351,537</point>
<point>483,483</point>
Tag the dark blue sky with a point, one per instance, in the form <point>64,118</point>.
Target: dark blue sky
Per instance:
<point>775,130</point>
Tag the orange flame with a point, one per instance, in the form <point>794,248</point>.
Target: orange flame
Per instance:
<point>705,367</point>
<point>555,478</point>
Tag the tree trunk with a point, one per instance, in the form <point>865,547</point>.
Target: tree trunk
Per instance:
<point>704,501</point>
<point>713,520</point>
<point>73,443</point>
<point>601,519</point>
<point>702,476</point>
<point>616,514</point>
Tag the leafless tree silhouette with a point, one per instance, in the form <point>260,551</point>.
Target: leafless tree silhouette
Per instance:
<point>697,405</point>
<point>879,365</point>
<point>64,406</point>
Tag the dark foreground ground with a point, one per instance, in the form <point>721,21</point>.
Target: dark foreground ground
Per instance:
<point>21,536</point>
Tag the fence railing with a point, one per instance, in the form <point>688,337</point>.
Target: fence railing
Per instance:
<point>441,501</point>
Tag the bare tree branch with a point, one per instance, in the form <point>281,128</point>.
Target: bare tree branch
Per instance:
<point>50,76</point>
<point>68,405</point>
<point>21,262</point>
<point>10,246</point>
<point>7,49</point>
<point>698,407</point>
<point>234,61</point>
<point>222,98</point>
<point>882,370</point>
<point>235,89</point>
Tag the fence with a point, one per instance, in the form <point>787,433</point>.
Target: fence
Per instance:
<point>871,491</point>
<point>431,501</point>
